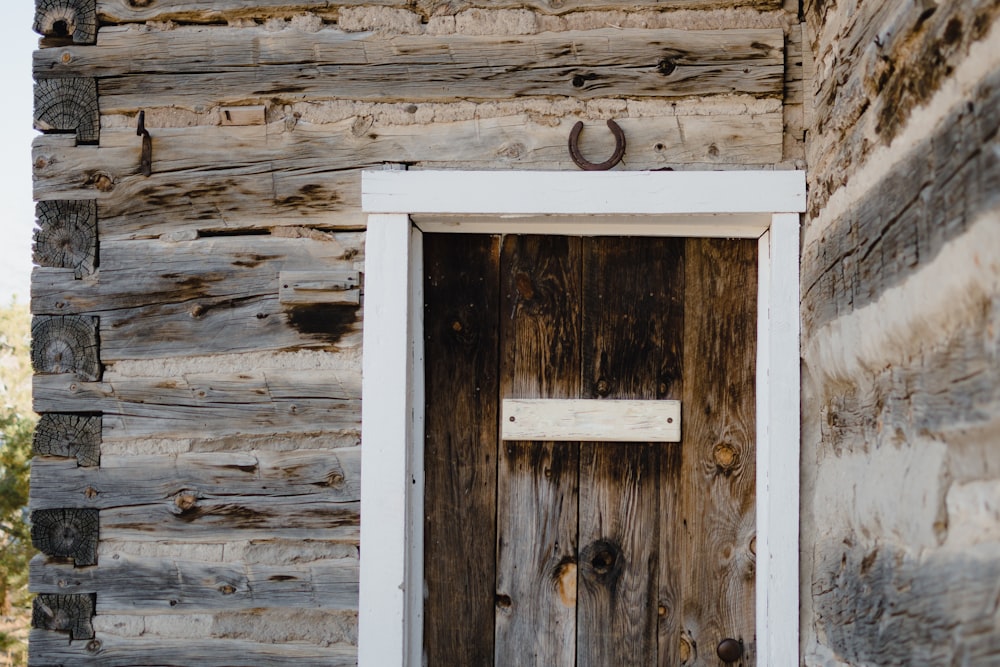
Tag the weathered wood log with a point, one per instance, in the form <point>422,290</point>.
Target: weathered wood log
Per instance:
<point>218,68</point>
<point>229,518</point>
<point>69,435</point>
<point>186,479</point>
<point>66,344</point>
<point>64,613</point>
<point>68,105</point>
<point>879,53</point>
<point>878,604</point>
<point>67,18</point>
<point>898,226</point>
<point>129,584</point>
<point>67,235</point>
<point>153,272</point>
<point>66,533</point>
<point>46,648</point>
<point>215,11</point>
<point>272,403</point>
<point>225,178</point>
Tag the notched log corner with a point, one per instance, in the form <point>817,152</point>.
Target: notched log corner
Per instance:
<point>69,435</point>
<point>67,19</point>
<point>66,533</point>
<point>66,237</point>
<point>66,344</point>
<point>68,105</point>
<point>65,613</point>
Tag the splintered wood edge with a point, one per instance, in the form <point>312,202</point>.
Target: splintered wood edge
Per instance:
<point>585,420</point>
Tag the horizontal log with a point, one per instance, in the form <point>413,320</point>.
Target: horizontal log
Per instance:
<point>215,520</point>
<point>159,298</point>
<point>214,11</point>
<point>186,478</point>
<point>878,54</point>
<point>66,344</point>
<point>135,274</point>
<point>68,105</point>
<point>47,649</point>
<point>878,604</point>
<point>901,224</point>
<point>66,236</point>
<point>129,584</point>
<point>227,178</point>
<point>140,69</point>
<point>273,403</point>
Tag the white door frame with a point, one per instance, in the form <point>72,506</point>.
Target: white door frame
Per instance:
<point>404,204</point>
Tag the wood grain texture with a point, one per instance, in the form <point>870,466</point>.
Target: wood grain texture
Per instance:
<point>68,105</point>
<point>66,236</point>
<point>331,475</point>
<point>880,604</point>
<point>71,614</point>
<point>460,450</point>
<point>889,58</point>
<point>76,19</point>
<point>900,225</point>
<point>224,178</point>
<point>537,571</point>
<point>718,475</point>
<point>633,315</point>
<point>49,649</point>
<point>132,585</point>
<point>189,517</point>
<point>66,344</point>
<point>275,403</point>
<point>219,68</point>
<point>68,435</point>
<point>214,11</point>
<point>159,298</point>
<point>66,534</point>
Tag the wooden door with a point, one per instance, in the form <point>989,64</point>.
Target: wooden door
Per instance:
<point>604,554</point>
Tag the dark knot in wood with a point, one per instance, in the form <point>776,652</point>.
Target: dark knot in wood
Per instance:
<point>586,165</point>
<point>66,533</point>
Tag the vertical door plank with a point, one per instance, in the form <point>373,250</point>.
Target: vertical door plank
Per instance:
<point>718,415</point>
<point>461,349</point>
<point>537,482</point>
<point>632,330</point>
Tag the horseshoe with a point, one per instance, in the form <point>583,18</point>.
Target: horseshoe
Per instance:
<point>582,162</point>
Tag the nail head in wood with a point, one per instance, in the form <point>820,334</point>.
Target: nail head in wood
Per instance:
<point>66,344</point>
<point>69,435</point>
<point>66,533</point>
<point>65,613</point>
<point>66,105</point>
<point>67,18</point>
<point>66,237</point>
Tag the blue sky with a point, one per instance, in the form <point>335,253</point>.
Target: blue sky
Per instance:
<point>17,212</point>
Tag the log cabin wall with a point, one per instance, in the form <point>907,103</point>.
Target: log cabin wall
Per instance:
<point>198,300</point>
<point>901,334</point>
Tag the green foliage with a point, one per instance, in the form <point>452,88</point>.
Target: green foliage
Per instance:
<point>17,425</point>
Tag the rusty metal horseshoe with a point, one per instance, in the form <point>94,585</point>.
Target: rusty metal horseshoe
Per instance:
<point>586,165</point>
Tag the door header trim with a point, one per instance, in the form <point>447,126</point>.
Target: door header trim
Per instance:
<point>403,204</point>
